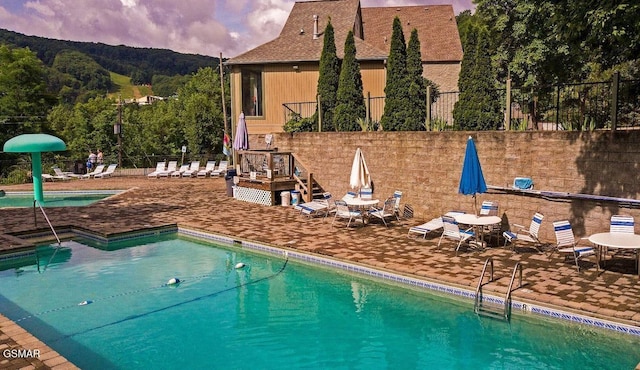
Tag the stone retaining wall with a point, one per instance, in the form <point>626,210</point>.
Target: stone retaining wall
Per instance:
<point>426,166</point>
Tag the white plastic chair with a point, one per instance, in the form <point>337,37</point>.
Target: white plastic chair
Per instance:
<point>343,212</point>
<point>451,230</point>
<point>566,243</point>
<point>208,168</point>
<point>387,211</point>
<point>522,234</point>
<point>109,171</point>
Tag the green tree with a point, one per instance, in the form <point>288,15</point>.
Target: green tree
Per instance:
<point>80,67</point>
<point>478,106</point>
<point>328,78</point>
<point>417,112</point>
<point>396,92</point>
<point>350,103</point>
<point>201,112</point>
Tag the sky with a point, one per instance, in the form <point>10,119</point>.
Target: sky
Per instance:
<point>206,27</point>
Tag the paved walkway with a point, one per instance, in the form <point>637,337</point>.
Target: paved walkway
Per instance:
<point>202,204</point>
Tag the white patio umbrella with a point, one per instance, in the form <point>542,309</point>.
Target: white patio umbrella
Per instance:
<point>360,176</point>
<point>241,141</point>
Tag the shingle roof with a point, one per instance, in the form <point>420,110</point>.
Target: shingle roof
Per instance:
<point>436,25</point>
<point>296,41</point>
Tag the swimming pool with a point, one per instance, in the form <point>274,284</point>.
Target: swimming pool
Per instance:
<point>272,313</point>
<point>55,198</point>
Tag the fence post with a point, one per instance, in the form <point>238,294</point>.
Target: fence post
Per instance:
<point>367,107</point>
<point>427,122</point>
<point>615,83</point>
<point>558,107</point>
<point>319,102</point>
<point>507,116</point>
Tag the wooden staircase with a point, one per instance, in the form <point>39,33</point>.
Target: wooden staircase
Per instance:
<point>305,182</point>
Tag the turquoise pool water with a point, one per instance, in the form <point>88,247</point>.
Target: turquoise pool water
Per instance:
<point>53,199</point>
<point>271,314</point>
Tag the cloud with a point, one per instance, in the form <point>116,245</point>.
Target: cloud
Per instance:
<point>205,27</point>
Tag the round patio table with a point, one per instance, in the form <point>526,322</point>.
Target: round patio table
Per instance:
<point>362,204</point>
<point>478,222</point>
<point>616,241</point>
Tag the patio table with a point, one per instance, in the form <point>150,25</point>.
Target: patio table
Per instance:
<point>362,204</point>
<point>616,241</point>
<point>478,223</point>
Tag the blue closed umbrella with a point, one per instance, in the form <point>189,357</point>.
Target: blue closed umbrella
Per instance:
<point>472,180</point>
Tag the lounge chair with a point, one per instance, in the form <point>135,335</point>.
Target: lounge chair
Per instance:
<point>343,212</point>
<point>520,233</point>
<point>222,168</point>
<point>63,175</point>
<point>206,171</point>
<point>451,230</point>
<point>46,176</point>
<point>315,207</point>
<point>109,171</point>
<point>172,166</point>
<point>567,245</point>
<point>97,171</point>
<point>160,167</point>
<point>432,225</point>
<point>180,171</point>
<point>387,211</point>
<point>193,169</point>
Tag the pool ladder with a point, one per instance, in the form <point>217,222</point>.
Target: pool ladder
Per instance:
<point>490,309</point>
<point>35,202</point>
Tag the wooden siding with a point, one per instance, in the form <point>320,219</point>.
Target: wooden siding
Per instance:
<point>284,84</point>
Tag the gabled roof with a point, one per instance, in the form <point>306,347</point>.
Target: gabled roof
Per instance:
<point>296,42</point>
<point>436,25</point>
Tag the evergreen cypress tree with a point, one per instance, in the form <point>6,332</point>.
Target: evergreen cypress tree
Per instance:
<point>350,102</point>
<point>490,113</point>
<point>462,114</point>
<point>478,106</point>
<point>417,109</point>
<point>329,72</point>
<point>396,92</point>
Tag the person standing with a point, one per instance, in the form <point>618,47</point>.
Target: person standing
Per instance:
<point>100,158</point>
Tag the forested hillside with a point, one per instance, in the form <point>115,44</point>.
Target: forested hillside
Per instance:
<point>141,64</point>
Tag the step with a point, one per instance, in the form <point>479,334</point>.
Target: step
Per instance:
<point>492,311</point>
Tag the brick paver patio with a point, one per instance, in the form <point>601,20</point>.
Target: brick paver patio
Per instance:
<point>202,204</point>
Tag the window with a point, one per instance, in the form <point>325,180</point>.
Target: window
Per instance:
<point>252,92</point>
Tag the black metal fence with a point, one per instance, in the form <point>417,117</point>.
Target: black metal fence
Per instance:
<point>613,104</point>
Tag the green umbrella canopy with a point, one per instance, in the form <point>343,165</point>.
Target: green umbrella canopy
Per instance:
<point>31,143</point>
<point>35,144</point>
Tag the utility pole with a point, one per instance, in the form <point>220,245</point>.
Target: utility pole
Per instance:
<point>117,130</point>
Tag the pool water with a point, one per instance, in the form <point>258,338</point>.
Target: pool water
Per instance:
<point>271,314</point>
<point>52,199</point>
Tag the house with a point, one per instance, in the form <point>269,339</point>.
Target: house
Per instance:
<point>270,82</point>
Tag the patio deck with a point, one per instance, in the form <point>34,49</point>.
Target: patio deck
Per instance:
<point>202,204</point>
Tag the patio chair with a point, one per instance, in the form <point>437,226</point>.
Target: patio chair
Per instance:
<point>490,208</point>
<point>451,230</point>
<point>222,168</point>
<point>567,245</point>
<point>397,195</point>
<point>343,212</point>
<point>160,167</point>
<point>431,225</point>
<point>208,168</point>
<point>387,211</point>
<point>107,173</point>
<point>521,234</point>
<point>194,167</point>
<point>171,167</point>
<point>97,171</point>
<point>366,193</point>
<point>622,224</point>
<point>178,173</point>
